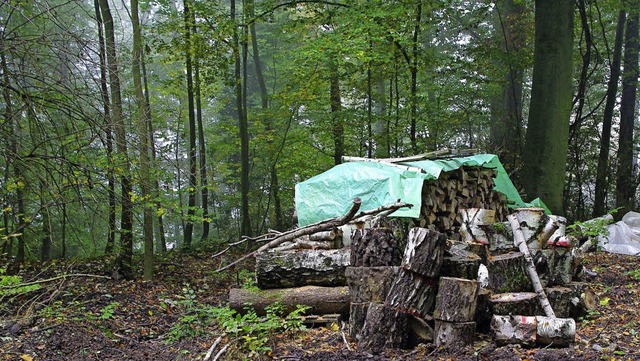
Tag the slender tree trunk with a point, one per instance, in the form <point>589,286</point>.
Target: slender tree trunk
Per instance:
<point>104,92</point>
<point>243,126</point>
<point>161,239</point>
<point>545,151</point>
<point>574,184</point>
<point>193,180</point>
<point>143,144</point>
<point>625,183</point>
<point>414,81</point>
<point>599,205</point>
<point>126,217</point>
<point>13,158</point>
<point>45,251</point>
<point>274,188</point>
<point>202,148</point>
<point>336,109</point>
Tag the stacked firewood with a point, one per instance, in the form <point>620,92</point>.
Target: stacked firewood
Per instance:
<point>463,188</point>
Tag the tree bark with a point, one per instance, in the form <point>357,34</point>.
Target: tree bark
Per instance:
<point>454,335</point>
<point>370,284</point>
<point>322,300</point>
<point>545,150</point>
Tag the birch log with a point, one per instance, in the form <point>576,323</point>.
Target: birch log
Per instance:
<point>531,268</point>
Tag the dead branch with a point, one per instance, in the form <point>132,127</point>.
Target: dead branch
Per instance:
<point>291,235</point>
<point>37,282</point>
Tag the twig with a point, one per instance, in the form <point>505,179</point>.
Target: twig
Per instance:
<point>223,350</point>
<point>344,338</point>
<point>210,352</point>
<point>51,280</point>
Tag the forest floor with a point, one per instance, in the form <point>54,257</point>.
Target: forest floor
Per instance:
<point>92,318</point>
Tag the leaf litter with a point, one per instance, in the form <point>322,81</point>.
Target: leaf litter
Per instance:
<point>106,319</point>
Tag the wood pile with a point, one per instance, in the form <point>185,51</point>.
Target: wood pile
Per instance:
<point>463,188</point>
<point>538,285</point>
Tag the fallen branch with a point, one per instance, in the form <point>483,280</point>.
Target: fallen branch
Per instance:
<point>51,280</point>
<point>321,226</point>
<point>213,347</point>
<point>518,237</point>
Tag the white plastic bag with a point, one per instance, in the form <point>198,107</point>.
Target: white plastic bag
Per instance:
<point>624,236</point>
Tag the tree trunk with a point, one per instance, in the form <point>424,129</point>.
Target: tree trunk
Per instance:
<point>126,204</point>
<point>336,109</point>
<point>375,247</point>
<point>193,177</point>
<point>104,92</point>
<point>625,183</point>
<point>507,273</point>
<point>322,300</point>
<point>599,204</point>
<point>506,107</point>
<point>545,150</point>
<point>162,241</point>
<point>202,147</point>
<point>143,144</point>
<point>276,269</point>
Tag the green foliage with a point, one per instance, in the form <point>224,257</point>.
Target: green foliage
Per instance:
<point>253,332</point>
<point>591,229</point>
<point>13,286</point>
<point>107,311</point>
<point>635,274</point>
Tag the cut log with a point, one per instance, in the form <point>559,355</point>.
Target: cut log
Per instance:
<point>553,331</point>
<point>456,300</point>
<point>461,264</point>
<point>561,299</point>
<point>370,284</point>
<point>322,300</point>
<point>555,266</point>
<point>507,273</point>
<point>514,329</point>
<point>357,316</point>
<point>424,252</point>
<point>454,335</point>
<point>483,311</point>
<point>412,293</point>
<point>275,269</point>
<point>472,221</point>
<point>384,327</point>
<point>374,247</point>
<point>515,303</point>
<point>583,299</point>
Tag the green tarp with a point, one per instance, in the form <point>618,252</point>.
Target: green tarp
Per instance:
<point>330,194</point>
